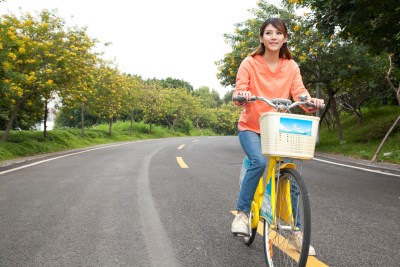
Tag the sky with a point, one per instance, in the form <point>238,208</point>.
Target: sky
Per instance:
<point>181,39</point>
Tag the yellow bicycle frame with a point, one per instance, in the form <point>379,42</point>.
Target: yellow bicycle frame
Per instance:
<point>285,193</point>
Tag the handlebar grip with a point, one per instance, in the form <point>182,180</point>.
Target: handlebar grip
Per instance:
<point>311,104</point>
<point>239,98</point>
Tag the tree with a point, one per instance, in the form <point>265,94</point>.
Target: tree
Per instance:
<point>36,60</point>
<point>79,68</point>
<point>373,23</point>
<point>132,98</point>
<point>110,87</point>
<point>209,99</point>
<point>173,83</point>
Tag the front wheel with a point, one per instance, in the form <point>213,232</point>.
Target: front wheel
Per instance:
<point>286,243</point>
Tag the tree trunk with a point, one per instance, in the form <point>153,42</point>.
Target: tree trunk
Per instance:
<point>131,126</point>
<point>387,77</point>
<point>339,125</point>
<point>332,102</point>
<point>110,122</point>
<point>82,120</point>
<point>384,140</point>
<point>13,115</point>
<point>46,114</point>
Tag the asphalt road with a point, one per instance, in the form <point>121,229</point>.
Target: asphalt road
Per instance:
<point>133,204</point>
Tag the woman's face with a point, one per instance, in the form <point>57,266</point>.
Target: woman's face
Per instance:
<point>273,39</point>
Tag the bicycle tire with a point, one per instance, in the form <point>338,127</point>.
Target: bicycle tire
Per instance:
<point>279,249</point>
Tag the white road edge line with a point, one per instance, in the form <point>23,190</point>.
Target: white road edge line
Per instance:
<point>359,168</point>
<point>63,156</point>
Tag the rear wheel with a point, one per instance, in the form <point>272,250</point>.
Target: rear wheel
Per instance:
<point>287,242</point>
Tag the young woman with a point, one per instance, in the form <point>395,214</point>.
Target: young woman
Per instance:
<point>269,72</point>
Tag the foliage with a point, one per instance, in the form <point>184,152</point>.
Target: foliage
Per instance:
<point>27,143</point>
<point>373,23</point>
<point>39,58</point>
<point>209,99</point>
<point>362,139</point>
<point>85,84</point>
<point>342,72</point>
<point>173,83</point>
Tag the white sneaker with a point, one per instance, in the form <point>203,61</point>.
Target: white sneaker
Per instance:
<point>297,240</point>
<point>240,225</point>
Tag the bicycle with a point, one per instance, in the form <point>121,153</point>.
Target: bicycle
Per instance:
<point>282,201</point>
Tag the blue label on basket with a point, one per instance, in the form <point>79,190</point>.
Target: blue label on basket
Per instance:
<point>295,126</point>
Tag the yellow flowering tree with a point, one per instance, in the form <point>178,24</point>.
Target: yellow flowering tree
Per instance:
<point>132,98</point>
<point>79,65</point>
<point>37,61</point>
<point>110,88</point>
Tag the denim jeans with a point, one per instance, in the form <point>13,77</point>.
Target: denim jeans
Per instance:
<point>294,196</point>
<point>251,144</point>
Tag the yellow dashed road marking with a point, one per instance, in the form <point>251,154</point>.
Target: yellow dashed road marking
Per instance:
<point>311,262</point>
<point>181,163</point>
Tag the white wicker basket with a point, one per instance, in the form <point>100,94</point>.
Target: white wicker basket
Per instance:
<point>288,135</point>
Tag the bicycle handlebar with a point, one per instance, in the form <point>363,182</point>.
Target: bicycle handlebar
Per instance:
<point>278,103</point>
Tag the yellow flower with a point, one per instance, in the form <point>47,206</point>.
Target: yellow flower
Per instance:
<point>12,56</point>
<point>307,33</point>
<point>22,50</point>
<point>7,65</point>
<point>28,23</point>
<point>1,47</point>
<point>296,28</point>
<point>49,82</point>
<point>303,57</point>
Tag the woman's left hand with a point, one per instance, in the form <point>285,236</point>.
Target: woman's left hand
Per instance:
<point>318,102</point>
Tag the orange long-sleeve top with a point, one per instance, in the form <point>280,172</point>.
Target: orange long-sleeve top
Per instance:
<point>255,76</point>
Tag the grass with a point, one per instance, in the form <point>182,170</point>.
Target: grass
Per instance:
<point>360,140</point>
<point>28,143</point>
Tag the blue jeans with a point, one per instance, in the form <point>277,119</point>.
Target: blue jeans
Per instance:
<point>251,144</point>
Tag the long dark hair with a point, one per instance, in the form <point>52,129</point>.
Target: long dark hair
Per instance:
<point>280,25</point>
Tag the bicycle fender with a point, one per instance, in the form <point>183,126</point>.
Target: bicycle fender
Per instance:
<point>289,165</point>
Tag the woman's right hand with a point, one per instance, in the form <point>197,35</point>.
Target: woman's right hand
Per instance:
<point>246,94</point>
